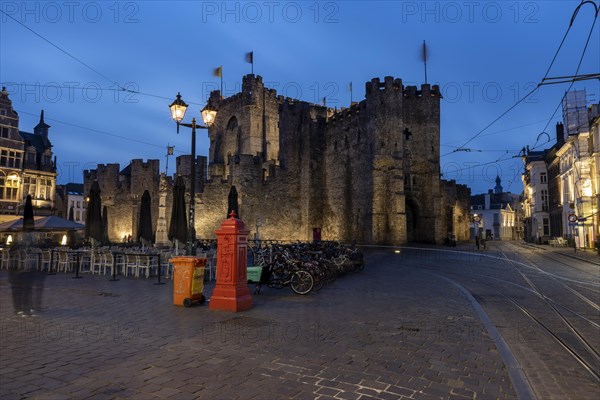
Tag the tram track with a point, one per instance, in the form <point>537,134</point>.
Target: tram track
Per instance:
<point>564,324</point>
<point>595,355</point>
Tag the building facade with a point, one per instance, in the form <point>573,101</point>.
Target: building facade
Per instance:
<point>70,196</point>
<point>497,214</point>
<point>536,215</point>
<point>561,183</point>
<point>27,166</point>
<point>369,173</point>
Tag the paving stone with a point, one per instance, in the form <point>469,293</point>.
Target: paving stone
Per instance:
<point>163,351</point>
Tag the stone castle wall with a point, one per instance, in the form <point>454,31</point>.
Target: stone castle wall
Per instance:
<point>368,173</point>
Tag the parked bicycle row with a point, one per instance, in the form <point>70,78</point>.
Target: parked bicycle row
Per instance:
<point>304,267</point>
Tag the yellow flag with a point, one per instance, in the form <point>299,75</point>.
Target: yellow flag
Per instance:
<point>218,71</point>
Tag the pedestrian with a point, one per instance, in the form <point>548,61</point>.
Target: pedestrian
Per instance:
<point>27,286</point>
<point>477,242</point>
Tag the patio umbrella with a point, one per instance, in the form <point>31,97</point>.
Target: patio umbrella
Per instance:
<point>28,224</point>
<point>51,223</point>
<point>93,219</point>
<point>105,225</point>
<point>232,202</point>
<point>144,232</point>
<point>178,228</point>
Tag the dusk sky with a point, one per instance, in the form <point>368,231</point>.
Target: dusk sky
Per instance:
<point>67,59</point>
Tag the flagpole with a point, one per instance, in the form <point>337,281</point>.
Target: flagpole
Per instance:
<point>222,82</point>
<point>425,60</point>
<point>350,93</point>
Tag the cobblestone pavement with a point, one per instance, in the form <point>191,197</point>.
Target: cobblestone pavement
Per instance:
<point>392,331</point>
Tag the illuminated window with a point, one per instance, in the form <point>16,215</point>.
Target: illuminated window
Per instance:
<point>10,159</point>
<point>29,186</point>
<point>9,188</point>
<point>544,194</point>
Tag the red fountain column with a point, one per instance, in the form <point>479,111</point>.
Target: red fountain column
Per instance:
<point>231,292</point>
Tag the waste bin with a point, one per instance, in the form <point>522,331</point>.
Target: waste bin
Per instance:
<point>188,280</point>
<point>253,273</point>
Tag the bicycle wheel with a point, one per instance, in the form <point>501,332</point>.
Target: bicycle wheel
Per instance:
<point>319,280</point>
<point>302,282</point>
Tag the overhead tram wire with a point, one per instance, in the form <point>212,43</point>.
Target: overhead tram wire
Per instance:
<point>121,88</point>
<point>98,131</point>
<point>580,59</point>
<point>545,75</point>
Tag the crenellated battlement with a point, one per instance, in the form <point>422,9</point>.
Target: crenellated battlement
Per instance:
<point>347,115</point>
<point>426,91</point>
<point>389,84</point>
<point>354,173</point>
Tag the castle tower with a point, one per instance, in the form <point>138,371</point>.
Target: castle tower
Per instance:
<point>246,124</point>
<point>421,137</point>
<point>384,126</point>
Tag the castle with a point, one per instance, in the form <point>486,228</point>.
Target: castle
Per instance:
<point>369,173</point>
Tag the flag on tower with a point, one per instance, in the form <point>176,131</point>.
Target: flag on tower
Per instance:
<point>218,72</point>
<point>250,59</point>
<point>350,87</point>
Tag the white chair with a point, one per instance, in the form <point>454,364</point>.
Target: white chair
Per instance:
<point>131,261</point>
<point>5,259</point>
<point>108,261</point>
<point>46,259</point>
<point>64,262</point>
<point>143,263</point>
<point>98,263</point>
<point>164,264</point>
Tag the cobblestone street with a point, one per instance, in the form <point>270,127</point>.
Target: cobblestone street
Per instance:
<point>396,330</point>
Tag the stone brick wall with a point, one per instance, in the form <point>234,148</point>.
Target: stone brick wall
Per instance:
<point>368,173</point>
<point>455,210</point>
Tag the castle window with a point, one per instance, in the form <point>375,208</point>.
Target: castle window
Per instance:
<point>232,124</point>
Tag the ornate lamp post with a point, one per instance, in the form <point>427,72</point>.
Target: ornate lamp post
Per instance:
<point>178,109</point>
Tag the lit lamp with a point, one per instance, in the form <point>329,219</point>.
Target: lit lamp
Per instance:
<point>9,240</point>
<point>209,114</point>
<point>64,240</point>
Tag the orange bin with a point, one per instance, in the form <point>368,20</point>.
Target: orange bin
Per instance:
<point>188,280</point>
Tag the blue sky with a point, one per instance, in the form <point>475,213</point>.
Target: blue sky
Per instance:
<point>484,56</point>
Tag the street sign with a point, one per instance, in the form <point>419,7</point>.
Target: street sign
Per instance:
<point>572,218</point>
<point>476,218</point>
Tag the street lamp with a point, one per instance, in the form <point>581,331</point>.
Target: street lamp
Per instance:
<point>178,109</point>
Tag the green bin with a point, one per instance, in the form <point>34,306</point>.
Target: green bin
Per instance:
<point>253,274</point>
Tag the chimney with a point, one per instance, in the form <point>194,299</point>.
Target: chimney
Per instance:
<point>560,134</point>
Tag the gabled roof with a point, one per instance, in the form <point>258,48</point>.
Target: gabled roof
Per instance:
<point>31,139</point>
<point>74,188</point>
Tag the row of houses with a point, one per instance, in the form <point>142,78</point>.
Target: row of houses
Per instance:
<point>562,183</point>
<point>28,167</point>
